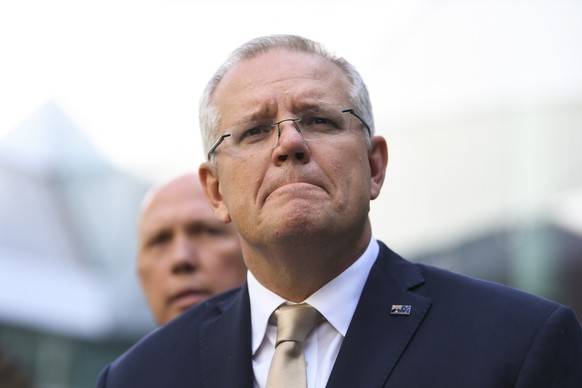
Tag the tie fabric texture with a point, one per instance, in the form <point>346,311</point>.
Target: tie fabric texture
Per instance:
<point>294,322</point>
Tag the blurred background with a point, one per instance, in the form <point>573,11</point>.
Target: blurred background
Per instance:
<point>481,103</point>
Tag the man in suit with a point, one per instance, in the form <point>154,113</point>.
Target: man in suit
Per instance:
<point>185,254</point>
<point>293,163</point>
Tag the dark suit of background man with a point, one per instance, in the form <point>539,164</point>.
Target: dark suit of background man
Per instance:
<point>293,162</point>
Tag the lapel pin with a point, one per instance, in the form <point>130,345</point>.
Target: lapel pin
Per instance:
<point>400,309</point>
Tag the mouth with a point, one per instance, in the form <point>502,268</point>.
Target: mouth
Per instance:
<point>187,298</point>
<point>295,186</point>
<point>296,191</point>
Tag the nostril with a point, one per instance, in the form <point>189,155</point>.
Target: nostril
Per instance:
<point>299,155</point>
<point>183,268</point>
<point>282,158</point>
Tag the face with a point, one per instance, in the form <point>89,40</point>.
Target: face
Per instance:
<point>185,253</point>
<point>298,192</point>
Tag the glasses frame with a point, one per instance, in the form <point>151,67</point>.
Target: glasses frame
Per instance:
<point>222,137</point>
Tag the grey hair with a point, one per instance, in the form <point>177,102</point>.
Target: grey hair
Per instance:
<point>209,115</point>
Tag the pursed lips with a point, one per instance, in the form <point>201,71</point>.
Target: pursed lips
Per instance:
<point>295,188</point>
<point>282,183</point>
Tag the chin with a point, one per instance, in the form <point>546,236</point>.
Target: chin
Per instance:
<point>301,232</point>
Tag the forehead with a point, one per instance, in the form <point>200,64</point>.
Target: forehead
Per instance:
<point>174,203</point>
<point>280,79</point>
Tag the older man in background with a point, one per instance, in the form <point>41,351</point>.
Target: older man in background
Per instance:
<point>185,253</point>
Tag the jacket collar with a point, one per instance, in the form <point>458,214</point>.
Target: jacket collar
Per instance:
<point>225,344</point>
<point>377,337</point>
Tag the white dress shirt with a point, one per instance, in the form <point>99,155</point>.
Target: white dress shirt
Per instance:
<point>336,301</point>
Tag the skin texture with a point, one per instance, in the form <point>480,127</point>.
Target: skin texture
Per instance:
<point>185,253</point>
<point>301,208</point>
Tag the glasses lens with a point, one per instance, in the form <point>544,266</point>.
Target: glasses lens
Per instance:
<point>251,138</point>
<point>314,124</point>
<point>323,122</point>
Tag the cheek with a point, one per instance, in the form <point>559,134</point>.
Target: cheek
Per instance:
<point>354,191</point>
<point>225,264</point>
<point>224,260</point>
<point>243,183</point>
<point>144,270</point>
<point>152,275</point>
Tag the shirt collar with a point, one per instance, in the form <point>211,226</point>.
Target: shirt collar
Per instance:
<point>336,301</point>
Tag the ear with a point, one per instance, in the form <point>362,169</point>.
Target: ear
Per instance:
<point>378,159</point>
<point>211,185</point>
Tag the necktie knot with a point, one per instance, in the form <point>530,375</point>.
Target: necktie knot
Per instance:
<point>294,322</point>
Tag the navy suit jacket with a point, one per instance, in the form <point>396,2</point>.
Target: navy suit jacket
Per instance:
<point>460,332</point>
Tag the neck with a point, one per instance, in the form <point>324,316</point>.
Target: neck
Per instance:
<point>296,270</point>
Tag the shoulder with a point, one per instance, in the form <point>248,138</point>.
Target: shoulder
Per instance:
<point>530,340</point>
<point>491,297</point>
<point>189,322</point>
<point>468,305</point>
<point>147,362</point>
<point>541,336</point>
<point>460,291</point>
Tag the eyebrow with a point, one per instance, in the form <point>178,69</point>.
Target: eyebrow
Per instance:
<point>261,112</point>
<point>264,112</point>
<point>151,237</point>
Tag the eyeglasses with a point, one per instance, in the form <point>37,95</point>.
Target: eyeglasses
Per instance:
<point>318,123</point>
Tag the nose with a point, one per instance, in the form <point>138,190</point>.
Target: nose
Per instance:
<point>184,255</point>
<point>290,144</point>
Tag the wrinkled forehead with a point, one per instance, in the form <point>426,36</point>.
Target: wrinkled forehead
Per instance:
<point>280,77</point>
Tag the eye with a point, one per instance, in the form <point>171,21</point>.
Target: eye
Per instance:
<point>255,134</point>
<point>210,231</point>
<point>255,131</point>
<point>321,123</point>
<point>159,239</point>
<point>205,229</point>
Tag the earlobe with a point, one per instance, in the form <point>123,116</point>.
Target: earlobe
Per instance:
<point>378,159</point>
<point>211,185</point>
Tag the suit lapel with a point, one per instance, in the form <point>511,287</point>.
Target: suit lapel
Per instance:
<point>376,339</point>
<point>226,345</point>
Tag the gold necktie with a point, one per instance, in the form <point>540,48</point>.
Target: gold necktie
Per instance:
<point>294,322</point>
